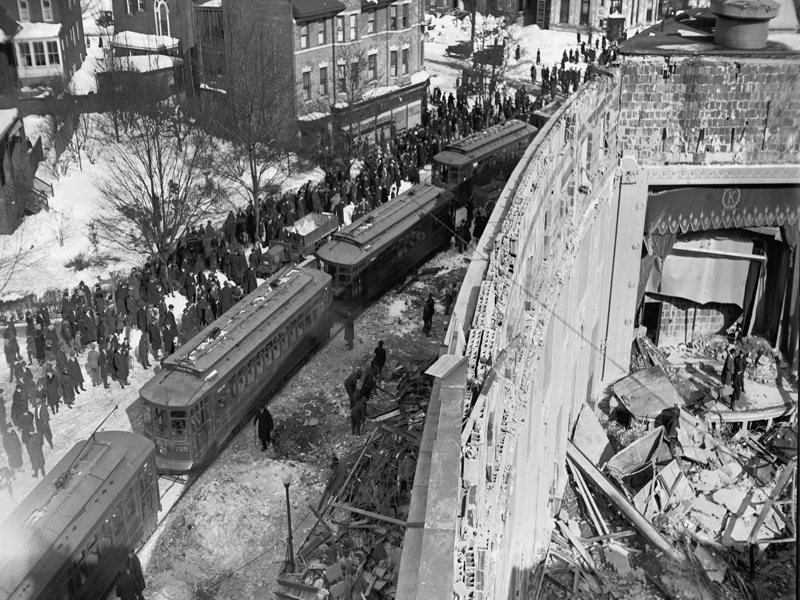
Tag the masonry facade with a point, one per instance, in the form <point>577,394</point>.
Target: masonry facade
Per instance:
<point>549,306</point>
<point>49,44</point>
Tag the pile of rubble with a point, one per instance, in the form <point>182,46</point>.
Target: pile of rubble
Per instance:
<point>720,505</point>
<point>354,548</point>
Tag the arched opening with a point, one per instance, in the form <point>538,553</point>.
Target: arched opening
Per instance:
<point>162,18</point>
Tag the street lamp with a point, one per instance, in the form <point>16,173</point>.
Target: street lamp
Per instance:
<point>289,566</point>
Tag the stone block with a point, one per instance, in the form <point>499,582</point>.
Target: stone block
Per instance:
<point>736,501</point>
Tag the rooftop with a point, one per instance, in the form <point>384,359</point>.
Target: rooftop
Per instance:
<point>38,31</point>
<point>692,33</point>
<point>305,10</point>
<point>141,41</point>
<point>7,119</point>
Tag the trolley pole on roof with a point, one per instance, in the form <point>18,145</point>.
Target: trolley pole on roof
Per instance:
<point>62,481</point>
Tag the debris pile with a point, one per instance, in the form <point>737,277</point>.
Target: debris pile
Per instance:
<point>354,548</point>
<point>720,503</point>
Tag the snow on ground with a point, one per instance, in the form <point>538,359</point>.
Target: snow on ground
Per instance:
<point>84,82</point>
<point>449,30</point>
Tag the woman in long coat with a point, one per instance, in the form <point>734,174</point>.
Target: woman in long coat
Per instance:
<point>13,448</point>
<point>67,387</point>
<point>121,366</point>
<point>52,386</point>
<point>34,446</point>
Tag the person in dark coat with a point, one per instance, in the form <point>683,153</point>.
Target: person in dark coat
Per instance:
<point>739,367</point>
<point>41,418</point>
<point>13,448</point>
<point>93,365</point>
<point>67,387</point>
<point>39,343</point>
<point>351,386</point>
<point>225,298</point>
<point>154,336</point>
<point>136,571</point>
<point>153,292</point>
<point>75,371</point>
<point>349,330</point>
<point>265,424</point>
<point>249,282</point>
<point>121,366</point>
<point>103,366</point>
<point>143,351</point>
<point>367,385</point>
<point>380,358</point>
<point>427,315</point>
<point>127,586</point>
<point>34,446</point>
<point>358,414</point>
<point>53,390</point>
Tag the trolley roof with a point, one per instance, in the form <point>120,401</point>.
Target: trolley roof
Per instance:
<point>241,330</point>
<point>477,141</point>
<point>47,527</point>
<point>374,231</point>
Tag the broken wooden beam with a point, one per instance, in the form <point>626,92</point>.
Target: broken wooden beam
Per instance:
<point>608,536</point>
<point>650,533</point>
<point>373,515</point>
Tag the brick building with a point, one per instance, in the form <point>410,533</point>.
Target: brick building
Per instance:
<point>323,39</point>
<point>683,154</point>
<point>49,44</point>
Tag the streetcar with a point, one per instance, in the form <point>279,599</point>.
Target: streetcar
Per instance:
<point>377,250</point>
<point>212,384</point>
<point>69,538</point>
<point>481,157</point>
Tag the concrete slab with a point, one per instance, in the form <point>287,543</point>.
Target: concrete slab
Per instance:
<point>591,439</point>
<point>709,508</point>
<point>736,501</point>
<point>442,489</point>
<point>436,571</point>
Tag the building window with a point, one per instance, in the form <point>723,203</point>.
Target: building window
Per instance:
<point>323,81</point>
<point>564,17</point>
<point>393,18</point>
<point>141,5</point>
<point>162,18</point>
<point>321,33</point>
<point>393,63</point>
<point>131,5</point>
<point>372,66</point>
<point>307,85</point>
<point>353,27</point>
<point>405,61</point>
<point>47,10</point>
<point>52,53</point>
<point>25,53</point>
<point>304,36</point>
<point>405,15</point>
<point>585,12</point>
<point>342,78</point>
<point>371,21</point>
<point>38,54</point>
<point>339,29</point>
<point>24,13</point>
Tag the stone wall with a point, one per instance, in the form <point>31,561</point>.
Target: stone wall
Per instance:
<point>710,110</point>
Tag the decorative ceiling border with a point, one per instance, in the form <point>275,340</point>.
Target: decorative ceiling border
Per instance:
<point>734,174</point>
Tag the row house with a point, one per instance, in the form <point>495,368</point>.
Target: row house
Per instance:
<point>329,43</point>
<point>49,43</point>
<point>160,28</point>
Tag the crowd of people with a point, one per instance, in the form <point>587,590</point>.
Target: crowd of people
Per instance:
<point>96,323</point>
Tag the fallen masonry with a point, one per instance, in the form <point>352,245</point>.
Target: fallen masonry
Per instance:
<point>354,548</point>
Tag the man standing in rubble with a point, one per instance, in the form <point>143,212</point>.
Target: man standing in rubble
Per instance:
<point>351,386</point>
<point>380,359</point>
<point>358,414</point>
<point>265,424</point>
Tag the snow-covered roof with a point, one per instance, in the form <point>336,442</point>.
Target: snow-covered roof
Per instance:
<point>7,118</point>
<point>419,77</point>
<point>312,116</point>
<point>38,31</point>
<point>142,41</point>
<point>211,4</point>
<point>148,62</point>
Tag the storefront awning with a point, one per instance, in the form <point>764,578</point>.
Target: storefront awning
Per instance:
<point>701,208</point>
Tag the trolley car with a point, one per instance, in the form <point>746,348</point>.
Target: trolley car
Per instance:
<point>373,253</point>
<point>478,158</point>
<point>212,384</point>
<point>69,538</point>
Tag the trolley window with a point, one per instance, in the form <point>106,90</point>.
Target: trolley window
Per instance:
<point>106,538</point>
<point>80,573</point>
<point>260,363</point>
<point>161,421</point>
<point>454,176</point>
<point>222,396</point>
<point>284,342</point>
<point>130,505</point>
<point>268,356</point>
<point>93,553</point>
<point>251,372</point>
<point>292,333</point>
<point>276,349</point>
<point>178,423</point>
<point>118,522</point>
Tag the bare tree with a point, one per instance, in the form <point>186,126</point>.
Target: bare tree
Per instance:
<point>356,78</point>
<point>154,191</point>
<point>18,252</point>
<point>256,112</point>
